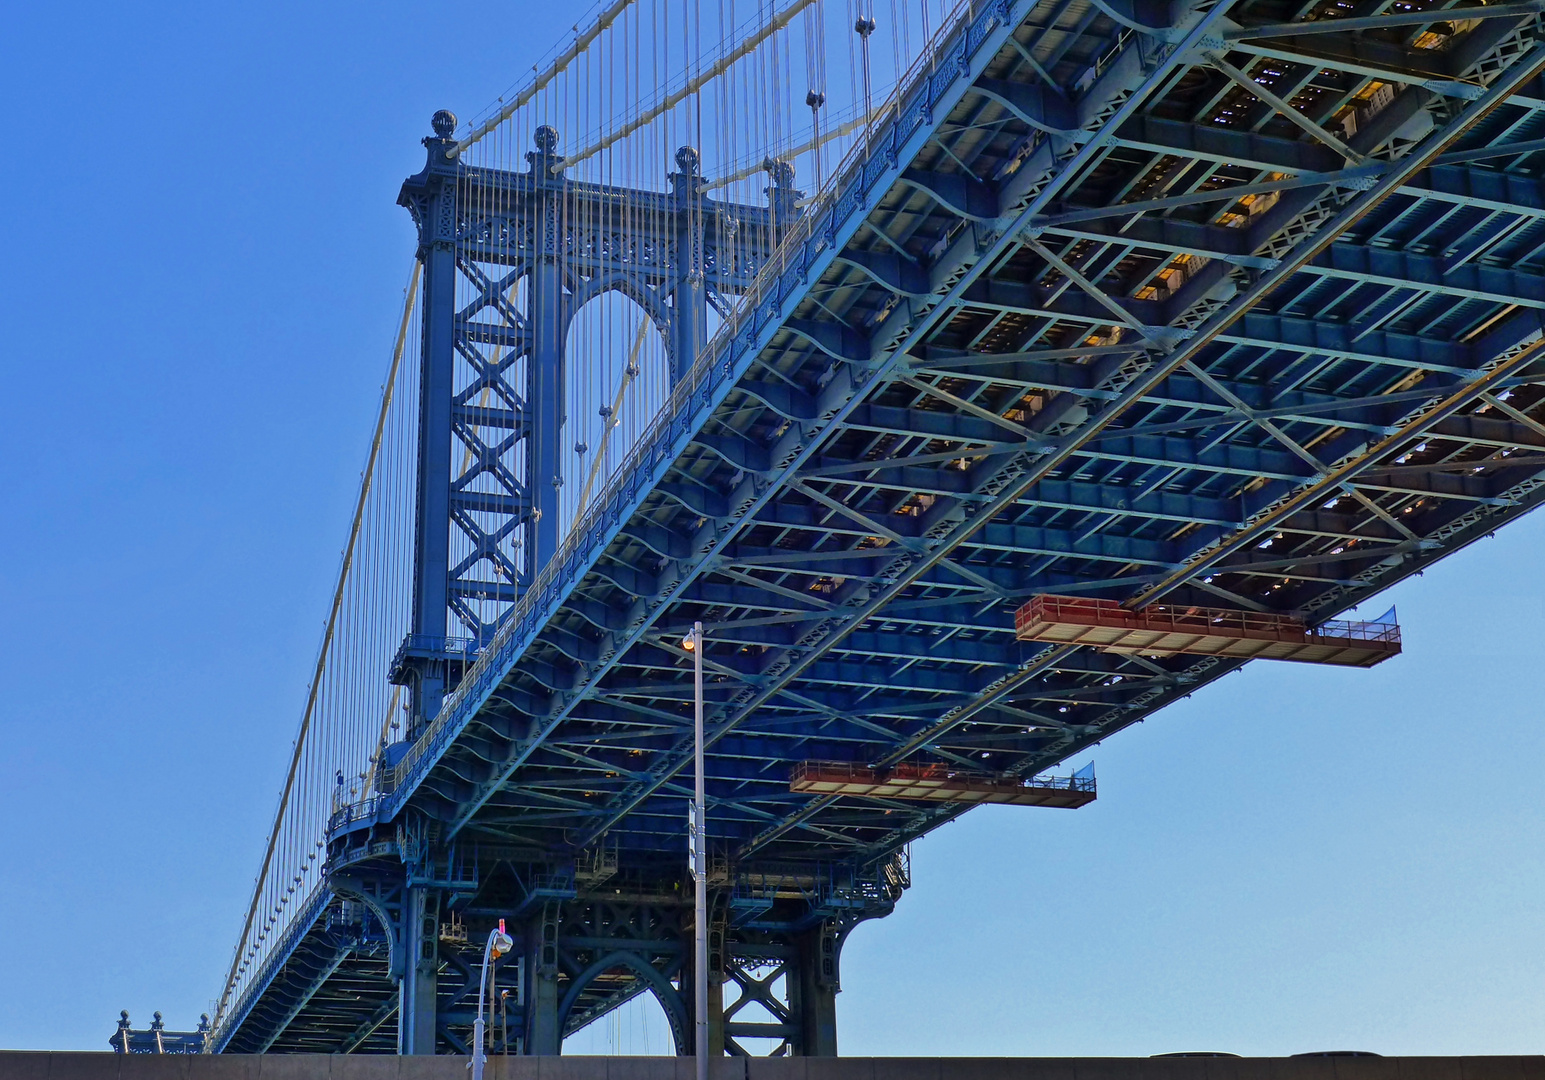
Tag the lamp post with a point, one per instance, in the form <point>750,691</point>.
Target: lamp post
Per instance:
<point>498,944</point>
<point>697,841</point>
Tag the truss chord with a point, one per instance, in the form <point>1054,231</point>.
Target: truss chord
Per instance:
<point>1495,96</point>
<point>1387,20</point>
<point>1345,471</point>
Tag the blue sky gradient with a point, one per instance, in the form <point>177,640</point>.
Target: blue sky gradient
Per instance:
<point>204,266</point>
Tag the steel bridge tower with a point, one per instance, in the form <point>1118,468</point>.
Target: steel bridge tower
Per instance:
<point>580,917</point>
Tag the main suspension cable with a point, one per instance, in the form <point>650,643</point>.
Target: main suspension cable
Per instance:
<point>778,22</point>
<point>554,69</point>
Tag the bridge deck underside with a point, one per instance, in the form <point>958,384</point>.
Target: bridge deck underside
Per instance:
<point>333,994</point>
<point>978,383</point>
<point>857,573</point>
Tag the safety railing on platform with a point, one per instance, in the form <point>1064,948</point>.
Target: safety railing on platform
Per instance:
<point>1167,629</point>
<point>1078,610</point>
<point>1358,631</point>
<point>362,810</point>
<point>940,783</point>
<point>935,773</point>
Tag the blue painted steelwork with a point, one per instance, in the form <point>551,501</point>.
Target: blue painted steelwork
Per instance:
<point>156,1039</point>
<point>1097,318</point>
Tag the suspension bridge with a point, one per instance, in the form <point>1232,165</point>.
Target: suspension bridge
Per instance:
<point>983,377</point>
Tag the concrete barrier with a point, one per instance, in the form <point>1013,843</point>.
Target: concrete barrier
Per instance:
<point>22,1065</point>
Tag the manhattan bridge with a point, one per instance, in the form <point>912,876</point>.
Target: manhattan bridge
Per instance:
<point>982,376</point>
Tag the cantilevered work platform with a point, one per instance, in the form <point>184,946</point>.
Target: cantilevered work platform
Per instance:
<point>939,783</point>
<point>1171,631</point>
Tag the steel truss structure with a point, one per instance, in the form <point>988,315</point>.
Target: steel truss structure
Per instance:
<point>1232,302</point>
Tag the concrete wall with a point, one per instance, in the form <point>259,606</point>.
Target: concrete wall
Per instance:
<point>18,1065</point>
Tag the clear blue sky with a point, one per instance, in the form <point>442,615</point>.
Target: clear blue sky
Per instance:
<point>202,262</point>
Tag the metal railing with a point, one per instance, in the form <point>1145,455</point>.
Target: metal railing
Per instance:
<point>360,810</point>
<point>1357,631</point>
<point>275,959</point>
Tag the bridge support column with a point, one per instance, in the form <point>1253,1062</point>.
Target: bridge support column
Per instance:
<point>815,990</point>
<point>546,402</point>
<point>432,197</point>
<point>715,1017</point>
<point>689,291</point>
<point>418,986</point>
<point>716,942</point>
<point>543,1034</point>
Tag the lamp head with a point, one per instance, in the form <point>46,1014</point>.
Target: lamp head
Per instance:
<point>499,942</point>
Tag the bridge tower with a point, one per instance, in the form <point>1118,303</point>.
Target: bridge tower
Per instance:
<point>501,286</point>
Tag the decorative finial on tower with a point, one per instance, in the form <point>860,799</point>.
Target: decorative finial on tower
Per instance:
<point>687,180</point>
<point>444,123</point>
<point>781,171</point>
<point>545,159</point>
<point>782,194</point>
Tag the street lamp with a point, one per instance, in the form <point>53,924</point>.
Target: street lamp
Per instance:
<point>499,943</point>
<point>697,845</point>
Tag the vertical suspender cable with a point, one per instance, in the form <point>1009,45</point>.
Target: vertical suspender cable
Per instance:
<point>540,83</point>
<point>327,638</point>
<point>778,22</point>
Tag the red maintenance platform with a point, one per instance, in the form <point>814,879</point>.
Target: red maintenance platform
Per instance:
<point>1166,631</point>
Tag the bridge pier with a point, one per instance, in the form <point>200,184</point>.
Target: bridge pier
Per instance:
<point>687,988</point>
<point>818,950</point>
<point>583,952</point>
<point>418,987</point>
<point>543,1025</point>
